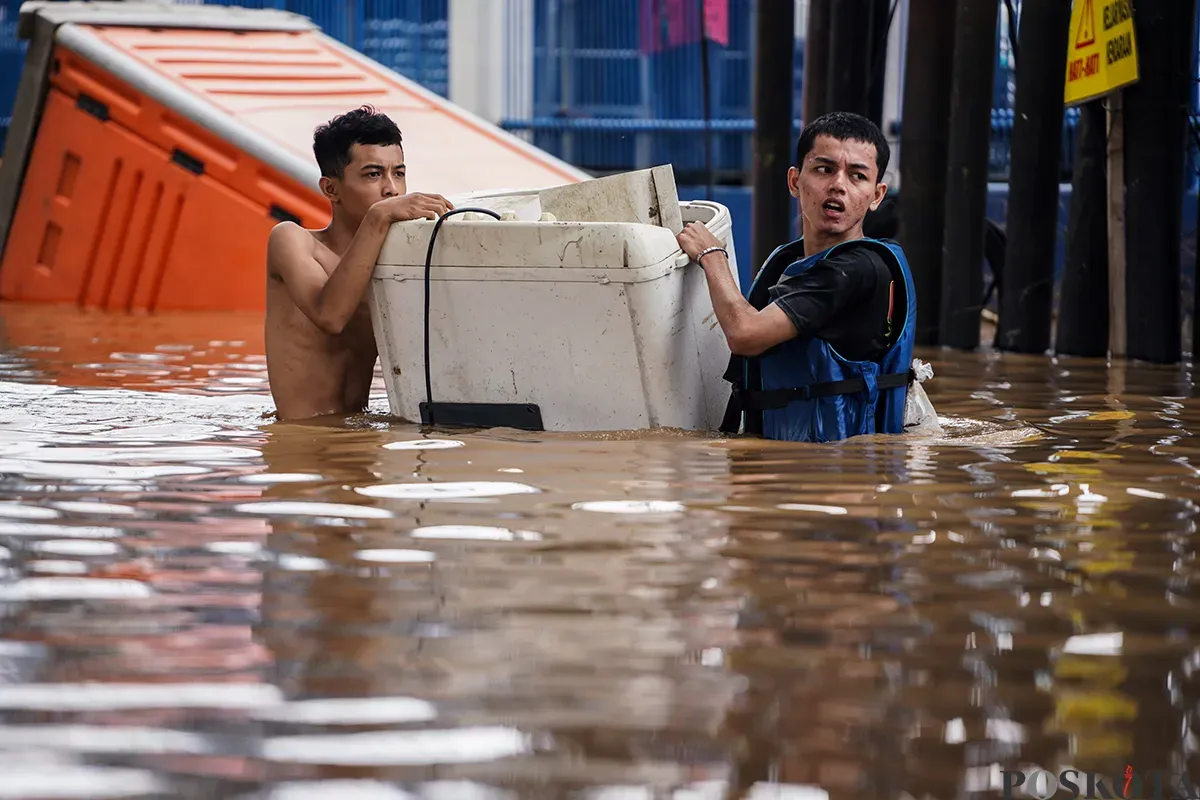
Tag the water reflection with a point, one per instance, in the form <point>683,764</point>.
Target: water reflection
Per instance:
<point>196,601</point>
<point>195,352</point>
<point>813,553</point>
<point>505,631</point>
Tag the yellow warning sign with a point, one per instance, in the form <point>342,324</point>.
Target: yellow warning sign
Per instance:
<point>1101,53</point>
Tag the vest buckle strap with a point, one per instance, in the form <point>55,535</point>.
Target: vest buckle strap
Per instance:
<point>769,399</point>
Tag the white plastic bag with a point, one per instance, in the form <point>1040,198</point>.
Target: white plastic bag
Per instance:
<point>918,410</point>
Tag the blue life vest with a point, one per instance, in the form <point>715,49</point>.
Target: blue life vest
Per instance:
<point>803,390</point>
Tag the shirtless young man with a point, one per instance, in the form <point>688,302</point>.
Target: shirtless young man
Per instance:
<point>321,348</point>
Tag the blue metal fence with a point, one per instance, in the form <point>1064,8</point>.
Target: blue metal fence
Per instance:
<point>607,100</point>
<point>408,36</point>
<point>614,90</point>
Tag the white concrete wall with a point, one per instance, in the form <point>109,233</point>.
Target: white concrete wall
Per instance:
<point>491,57</point>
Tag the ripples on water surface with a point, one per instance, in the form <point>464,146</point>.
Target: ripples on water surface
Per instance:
<point>198,602</point>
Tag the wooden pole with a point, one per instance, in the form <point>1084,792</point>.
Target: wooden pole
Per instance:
<point>1084,300</point>
<point>877,78</point>
<point>774,57</point>
<point>816,60</point>
<point>924,142</point>
<point>1155,135</point>
<point>850,56</point>
<point>967,172</point>
<point>1032,226</point>
<point>1115,154</point>
<point>1196,293</point>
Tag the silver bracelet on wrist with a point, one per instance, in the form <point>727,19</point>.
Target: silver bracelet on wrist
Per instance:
<point>708,250</point>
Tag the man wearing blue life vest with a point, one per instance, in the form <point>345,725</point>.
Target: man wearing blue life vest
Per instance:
<point>823,345</point>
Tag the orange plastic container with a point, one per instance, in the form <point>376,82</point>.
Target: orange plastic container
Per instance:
<point>168,149</point>
<point>109,220</point>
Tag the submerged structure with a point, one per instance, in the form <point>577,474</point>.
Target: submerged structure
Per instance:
<point>154,146</point>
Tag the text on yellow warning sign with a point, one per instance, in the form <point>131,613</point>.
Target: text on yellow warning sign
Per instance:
<point>1101,53</point>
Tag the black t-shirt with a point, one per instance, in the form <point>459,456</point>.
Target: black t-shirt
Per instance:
<point>843,300</point>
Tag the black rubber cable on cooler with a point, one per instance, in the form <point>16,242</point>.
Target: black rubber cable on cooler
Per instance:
<point>428,263</point>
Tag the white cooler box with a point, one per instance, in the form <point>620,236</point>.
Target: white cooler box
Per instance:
<point>603,325</point>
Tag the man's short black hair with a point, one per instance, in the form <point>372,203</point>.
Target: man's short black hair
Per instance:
<point>364,125</point>
<point>843,125</point>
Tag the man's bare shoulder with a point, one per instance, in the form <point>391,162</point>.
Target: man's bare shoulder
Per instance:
<point>286,243</point>
<point>288,234</point>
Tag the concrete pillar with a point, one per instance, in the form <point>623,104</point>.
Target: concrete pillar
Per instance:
<point>893,89</point>
<point>491,57</point>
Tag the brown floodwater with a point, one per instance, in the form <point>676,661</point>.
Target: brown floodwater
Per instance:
<point>197,601</point>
